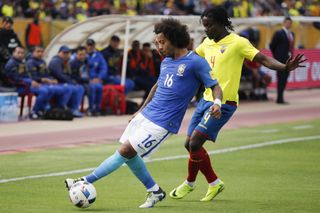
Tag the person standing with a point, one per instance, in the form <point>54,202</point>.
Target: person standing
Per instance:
<point>225,51</point>
<point>282,46</point>
<point>33,33</point>
<point>8,40</point>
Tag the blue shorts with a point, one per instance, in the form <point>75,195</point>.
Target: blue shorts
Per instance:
<point>208,125</point>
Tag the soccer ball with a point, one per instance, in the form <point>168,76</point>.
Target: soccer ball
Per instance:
<point>82,194</point>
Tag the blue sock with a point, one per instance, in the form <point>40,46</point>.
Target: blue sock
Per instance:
<point>139,169</point>
<point>109,165</point>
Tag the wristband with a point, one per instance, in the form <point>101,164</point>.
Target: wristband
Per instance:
<point>217,102</point>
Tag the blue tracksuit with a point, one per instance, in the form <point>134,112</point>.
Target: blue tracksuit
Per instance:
<point>37,68</point>
<point>80,72</point>
<point>97,66</point>
<point>16,72</point>
<point>62,73</point>
<point>97,69</point>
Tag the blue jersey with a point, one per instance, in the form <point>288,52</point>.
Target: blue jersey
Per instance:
<point>178,82</point>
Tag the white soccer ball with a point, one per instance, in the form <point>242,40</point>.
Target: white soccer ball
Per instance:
<point>82,194</point>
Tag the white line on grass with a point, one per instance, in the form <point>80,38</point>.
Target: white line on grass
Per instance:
<point>269,131</point>
<point>302,127</point>
<point>220,151</point>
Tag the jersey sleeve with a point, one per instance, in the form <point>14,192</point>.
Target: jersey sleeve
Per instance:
<point>202,70</point>
<point>247,50</point>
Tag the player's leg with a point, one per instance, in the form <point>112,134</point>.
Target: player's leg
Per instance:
<point>188,185</point>
<point>209,129</point>
<point>200,158</point>
<point>139,169</point>
<point>128,154</point>
<point>145,139</point>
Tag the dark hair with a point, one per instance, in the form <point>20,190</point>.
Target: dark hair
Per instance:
<point>7,19</point>
<point>115,38</point>
<point>287,18</point>
<point>147,44</point>
<point>35,47</point>
<point>218,15</point>
<point>90,42</point>
<point>80,48</point>
<point>174,31</point>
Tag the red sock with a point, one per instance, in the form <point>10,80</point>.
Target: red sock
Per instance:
<point>195,160</point>
<point>206,168</point>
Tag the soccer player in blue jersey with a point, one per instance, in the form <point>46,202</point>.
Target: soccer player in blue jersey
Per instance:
<point>182,72</point>
<point>225,51</point>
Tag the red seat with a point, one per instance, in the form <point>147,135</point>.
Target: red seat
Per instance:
<point>114,97</point>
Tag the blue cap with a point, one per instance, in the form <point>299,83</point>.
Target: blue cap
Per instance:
<point>64,48</point>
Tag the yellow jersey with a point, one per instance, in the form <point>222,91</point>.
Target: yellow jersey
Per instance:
<point>226,59</point>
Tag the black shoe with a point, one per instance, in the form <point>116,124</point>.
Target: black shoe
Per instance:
<point>282,102</point>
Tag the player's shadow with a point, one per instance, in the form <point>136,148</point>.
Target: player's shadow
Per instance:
<point>93,210</point>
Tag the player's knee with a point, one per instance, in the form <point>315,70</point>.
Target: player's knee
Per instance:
<point>196,141</point>
<point>127,151</point>
<point>194,146</point>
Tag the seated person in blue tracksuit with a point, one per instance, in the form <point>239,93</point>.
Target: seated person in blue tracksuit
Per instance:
<point>113,57</point>
<point>37,67</point>
<point>79,65</point>
<point>98,70</point>
<point>59,69</point>
<point>15,70</point>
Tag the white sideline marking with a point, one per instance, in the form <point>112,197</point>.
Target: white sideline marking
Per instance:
<point>220,151</point>
<point>269,131</point>
<point>303,127</point>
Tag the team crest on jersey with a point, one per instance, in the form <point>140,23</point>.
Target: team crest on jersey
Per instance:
<point>181,69</point>
<point>223,48</point>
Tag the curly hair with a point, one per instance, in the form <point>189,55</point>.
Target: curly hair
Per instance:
<point>174,31</point>
<point>218,15</point>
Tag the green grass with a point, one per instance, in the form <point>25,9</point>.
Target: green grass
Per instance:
<point>277,178</point>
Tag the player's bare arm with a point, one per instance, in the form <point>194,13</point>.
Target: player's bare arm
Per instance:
<point>217,96</point>
<point>150,95</point>
<point>273,64</point>
<point>148,99</point>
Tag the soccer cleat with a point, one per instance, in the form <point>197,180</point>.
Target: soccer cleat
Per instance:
<point>153,198</point>
<point>181,191</point>
<point>69,182</point>
<point>213,191</point>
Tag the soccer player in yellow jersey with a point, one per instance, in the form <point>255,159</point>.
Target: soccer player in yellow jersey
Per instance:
<point>225,51</point>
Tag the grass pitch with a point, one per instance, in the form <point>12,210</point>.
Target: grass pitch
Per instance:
<point>276,178</point>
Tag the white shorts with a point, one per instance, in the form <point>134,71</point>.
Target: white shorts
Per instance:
<point>144,136</point>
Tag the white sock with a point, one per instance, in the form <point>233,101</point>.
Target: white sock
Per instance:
<point>215,182</point>
<point>190,183</point>
<point>153,188</point>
